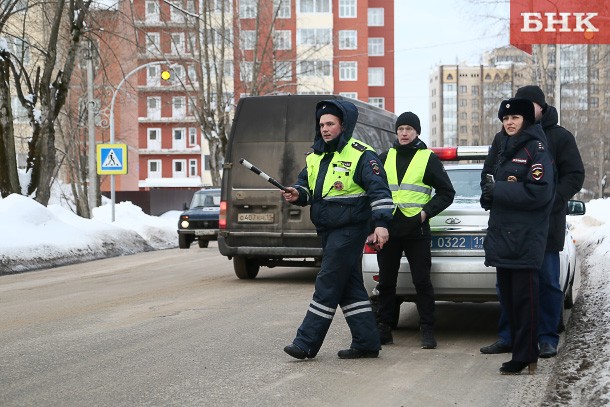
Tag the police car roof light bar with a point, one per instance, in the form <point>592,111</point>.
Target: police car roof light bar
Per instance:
<point>461,153</point>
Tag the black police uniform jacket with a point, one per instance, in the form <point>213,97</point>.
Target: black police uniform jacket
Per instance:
<point>435,176</point>
<point>522,200</point>
<point>569,173</point>
<point>374,207</point>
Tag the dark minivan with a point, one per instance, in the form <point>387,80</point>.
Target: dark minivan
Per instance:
<point>257,227</point>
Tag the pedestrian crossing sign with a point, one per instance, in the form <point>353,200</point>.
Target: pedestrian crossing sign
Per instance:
<point>111,159</point>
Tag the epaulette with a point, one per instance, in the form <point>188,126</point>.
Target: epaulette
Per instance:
<point>540,146</point>
<point>358,146</point>
<point>309,152</point>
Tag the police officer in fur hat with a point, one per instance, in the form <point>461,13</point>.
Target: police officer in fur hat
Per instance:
<point>570,177</point>
<point>520,199</point>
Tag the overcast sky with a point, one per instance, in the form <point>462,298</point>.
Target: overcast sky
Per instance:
<point>432,33</point>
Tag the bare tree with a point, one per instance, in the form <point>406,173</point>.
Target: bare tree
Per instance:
<point>42,91</point>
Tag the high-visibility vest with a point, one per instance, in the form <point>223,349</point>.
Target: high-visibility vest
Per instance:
<point>339,180</point>
<point>412,194</point>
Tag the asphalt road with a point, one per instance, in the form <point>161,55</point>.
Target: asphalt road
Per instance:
<point>177,328</point>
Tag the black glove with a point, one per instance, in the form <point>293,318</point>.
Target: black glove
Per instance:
<point>488,191</point>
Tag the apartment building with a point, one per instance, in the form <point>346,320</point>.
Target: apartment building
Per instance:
<point>285,46</point>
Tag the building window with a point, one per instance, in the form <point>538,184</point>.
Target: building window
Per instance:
<point>153,139</point>
<point>348,39</point>
<point>178,75</point>
<point>314,6</point>
<point>247,39</point>
<point>179,169</point>
<point>20,113</point>
<point>246,70</point>
<point>376,47</point>
<point>153,43</point>
<point>315,68</point>
<point>474,90</point>
<point>347,8</point>
<point>176,13</point>
<point>351,95</point>
<point>153,107</point>
<point>594,102</point>
<point>154,169</point>
<point>379,102</point>
<point>376,76</point>
<point>283,70</point>
<point>178,107</point>
<point>193,136</point>
<point>463,130</point>
<point>153,75</point>
<point>178,43</point>
<point>282,7</point>
<point>375,17</point>
<point>463,102</point>
<point>314,36</point>
<point>463,89</point>
<point>219,5</point>
<point>178,139</point>
<point>282,40</point>
<point>247,8</point>
<point>348,71</point>
<point>152,11</point>
<point>463,116</point>
<point>192,168</point>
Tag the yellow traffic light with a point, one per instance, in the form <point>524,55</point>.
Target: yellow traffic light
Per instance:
<point>165,75</point>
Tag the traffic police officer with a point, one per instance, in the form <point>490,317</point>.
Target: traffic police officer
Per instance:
<point>347,189</point>
<point>419,171</point>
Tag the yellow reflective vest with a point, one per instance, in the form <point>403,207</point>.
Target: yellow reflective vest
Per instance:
<point>411,194</point>
<point>339,181</point>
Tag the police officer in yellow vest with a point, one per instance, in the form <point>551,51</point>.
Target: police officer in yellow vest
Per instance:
<point>413,173</point>
<point>346,186</point>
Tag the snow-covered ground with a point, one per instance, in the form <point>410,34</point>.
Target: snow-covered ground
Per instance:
<point>33,236</point>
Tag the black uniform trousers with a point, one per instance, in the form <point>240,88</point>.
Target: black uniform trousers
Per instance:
<point>340,282</point>
<point>519,292</point>
<point>418,255</point>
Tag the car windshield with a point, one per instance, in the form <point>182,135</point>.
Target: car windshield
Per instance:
<point>205,199</point>
<point>466,182</point>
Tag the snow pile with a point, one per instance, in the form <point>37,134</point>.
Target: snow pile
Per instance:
<point>33,236</point>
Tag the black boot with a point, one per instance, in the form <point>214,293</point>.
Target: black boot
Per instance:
<point>427,337</point>
<point>352,353</point>
<point>294,351</point>
<point>515,367</point>
<point>385,333</point>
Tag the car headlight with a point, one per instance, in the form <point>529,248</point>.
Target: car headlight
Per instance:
<point>184,224</point>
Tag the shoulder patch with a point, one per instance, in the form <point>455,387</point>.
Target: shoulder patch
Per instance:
<point>537,171</point>
<point>540,146</point>
<point>358,146</point>
<point>375,167</point>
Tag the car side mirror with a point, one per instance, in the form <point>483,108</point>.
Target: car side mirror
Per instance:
<point>576,207</point>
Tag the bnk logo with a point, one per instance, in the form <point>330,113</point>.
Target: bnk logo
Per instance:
<point>559,22</point>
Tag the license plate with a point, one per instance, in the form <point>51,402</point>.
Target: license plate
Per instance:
<point>205,232</point>
<point>459,242</point>
<point>255,217</point>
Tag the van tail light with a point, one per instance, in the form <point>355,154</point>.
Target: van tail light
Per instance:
<point>222,218</point>
<point>369,249</point>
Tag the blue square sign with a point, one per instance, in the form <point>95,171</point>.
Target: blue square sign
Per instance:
<point>111,159</point>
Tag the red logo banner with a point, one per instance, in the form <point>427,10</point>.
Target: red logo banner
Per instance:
<point>559,22</point>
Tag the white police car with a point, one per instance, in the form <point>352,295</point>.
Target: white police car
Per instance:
<point>458,272</point>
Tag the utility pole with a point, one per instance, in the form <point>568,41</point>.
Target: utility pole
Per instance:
<point>92,191</point>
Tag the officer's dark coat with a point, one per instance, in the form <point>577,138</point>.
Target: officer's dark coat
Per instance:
<point>522,200</point>
<point>369,174</point>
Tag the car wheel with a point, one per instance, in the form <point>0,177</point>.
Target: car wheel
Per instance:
<point>184,242</point>
<point>245,268</point>
<point>204,243</point>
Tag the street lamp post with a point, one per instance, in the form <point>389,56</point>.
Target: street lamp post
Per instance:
<point>114,95</point>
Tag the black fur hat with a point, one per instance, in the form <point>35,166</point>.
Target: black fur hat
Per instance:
<point>517,106</point>
<point>328,108</point>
